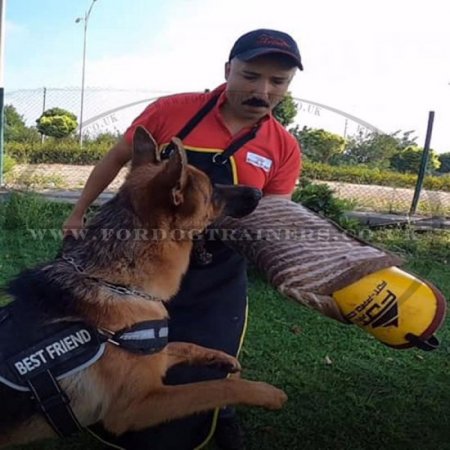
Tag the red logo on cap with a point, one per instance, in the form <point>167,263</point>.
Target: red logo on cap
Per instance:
<point>269,41</point>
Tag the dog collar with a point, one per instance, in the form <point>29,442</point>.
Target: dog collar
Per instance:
<point>116,288</point>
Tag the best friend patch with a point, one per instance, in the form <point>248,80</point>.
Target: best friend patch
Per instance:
<point>58,349</point>
<point>69,348</point>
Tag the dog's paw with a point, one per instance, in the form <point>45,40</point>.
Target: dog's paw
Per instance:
<point>271,397</point>
<point>224,362</point>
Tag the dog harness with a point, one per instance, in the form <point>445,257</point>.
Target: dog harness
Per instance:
<point>33,357</point>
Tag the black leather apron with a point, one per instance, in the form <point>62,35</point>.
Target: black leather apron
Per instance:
<point>210,309</point>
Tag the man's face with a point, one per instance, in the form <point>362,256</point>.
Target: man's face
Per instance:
<point>255,87</point>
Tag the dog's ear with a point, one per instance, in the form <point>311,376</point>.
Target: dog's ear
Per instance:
<point>145,148</point>
<point>176,172</point>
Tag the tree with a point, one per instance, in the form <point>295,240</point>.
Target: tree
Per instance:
<point>376,149</point>
<point>409,159</point>
<point>319,145</point>
<point>286,110</point>
<point>444,159</point>
<point>15,128</point>
<point>57,123</point>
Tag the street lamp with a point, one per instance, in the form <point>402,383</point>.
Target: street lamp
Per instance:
<point>84,19</point>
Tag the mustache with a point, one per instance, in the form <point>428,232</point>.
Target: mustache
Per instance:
<point>255,101</point>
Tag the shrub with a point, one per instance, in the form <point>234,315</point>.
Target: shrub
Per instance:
<point>319,145</point>
<point>320,199</point>
<point>410,158</point>
<point>286,110</point>
<point>57,151</point>
<point>107,138</point>
<point>57,123</point>
<point>444,159</point>
<point>15,128</point>
<point>363,175</point>
<point>8,163</point>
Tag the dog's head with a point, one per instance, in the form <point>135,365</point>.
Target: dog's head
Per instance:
<point>175,195</point>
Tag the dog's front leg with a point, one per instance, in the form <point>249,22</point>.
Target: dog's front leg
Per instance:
<point>33,429</point>
<point>173,402</point>
<point>185,353</point>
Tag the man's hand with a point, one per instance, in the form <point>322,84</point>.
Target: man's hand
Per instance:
<point>73,223</point>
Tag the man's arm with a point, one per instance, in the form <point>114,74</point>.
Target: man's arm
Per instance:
<point>102,174</point>
<point>286,196</point>
<point>283,182</point>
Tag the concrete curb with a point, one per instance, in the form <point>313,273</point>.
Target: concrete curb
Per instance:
<point>371,219</point>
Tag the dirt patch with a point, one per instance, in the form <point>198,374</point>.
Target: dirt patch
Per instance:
<point>43,177</point>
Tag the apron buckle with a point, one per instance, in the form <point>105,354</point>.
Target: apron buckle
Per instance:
<point>218,159</point>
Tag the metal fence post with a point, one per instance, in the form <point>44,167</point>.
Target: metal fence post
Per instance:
<point>44,99</point>
<point>423,164</point>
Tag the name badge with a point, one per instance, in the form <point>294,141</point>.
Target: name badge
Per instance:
<point>259,161</point>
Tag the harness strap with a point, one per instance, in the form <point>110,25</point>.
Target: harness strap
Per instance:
<point>54,404</point>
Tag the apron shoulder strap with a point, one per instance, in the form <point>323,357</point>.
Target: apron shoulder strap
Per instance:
<point>198,117</point>
<point>222,158</point>
<point>218,158</point>
<point>192,123</point>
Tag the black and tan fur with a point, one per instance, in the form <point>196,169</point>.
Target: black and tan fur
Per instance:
<point>122,390</point>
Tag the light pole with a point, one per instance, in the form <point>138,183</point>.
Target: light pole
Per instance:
<point>84,19</point>
<point>2,40</point>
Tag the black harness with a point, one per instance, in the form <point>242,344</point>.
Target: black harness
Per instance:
<point>33,358</point>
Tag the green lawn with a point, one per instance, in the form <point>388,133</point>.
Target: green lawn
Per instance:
<point>369,397</point>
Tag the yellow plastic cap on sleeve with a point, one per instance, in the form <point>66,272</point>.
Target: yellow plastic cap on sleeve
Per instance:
<point>396,307</point>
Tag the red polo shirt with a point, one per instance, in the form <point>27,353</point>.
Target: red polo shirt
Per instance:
<point>271,161</point>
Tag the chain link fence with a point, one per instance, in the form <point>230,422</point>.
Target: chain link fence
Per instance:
<point>112,110</point>
<point>105,110</point>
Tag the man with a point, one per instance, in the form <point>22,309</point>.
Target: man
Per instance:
<point>231,135</point>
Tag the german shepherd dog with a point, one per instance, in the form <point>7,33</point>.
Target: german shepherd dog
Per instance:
<point>124,390</point>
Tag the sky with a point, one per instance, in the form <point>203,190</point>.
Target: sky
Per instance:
<point>386,62</point>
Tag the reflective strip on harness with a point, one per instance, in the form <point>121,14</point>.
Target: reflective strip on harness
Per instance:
<point>142,338</point>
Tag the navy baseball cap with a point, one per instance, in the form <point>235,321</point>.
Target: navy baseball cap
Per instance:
<point>262,42</point>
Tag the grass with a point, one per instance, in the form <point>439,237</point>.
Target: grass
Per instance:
<point>346,390</point>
